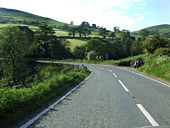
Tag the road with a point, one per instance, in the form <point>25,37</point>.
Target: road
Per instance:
<point>111,98</point>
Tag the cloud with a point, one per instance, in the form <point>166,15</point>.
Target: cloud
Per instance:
<point>136,14</point>
<point>141,8</point>
<point>137,0</point>
<point>108,13</point>
<point>140,18</point>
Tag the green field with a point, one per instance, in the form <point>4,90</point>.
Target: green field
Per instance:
<point>61,33</point>
<point>75,42</point>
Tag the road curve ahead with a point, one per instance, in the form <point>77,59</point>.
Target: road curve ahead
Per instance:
<point>111,98</point>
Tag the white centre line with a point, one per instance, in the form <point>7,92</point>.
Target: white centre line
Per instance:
<point>147,115</point>
<point>109,70</point>
<point>114,75</point>
<point>123,86</point>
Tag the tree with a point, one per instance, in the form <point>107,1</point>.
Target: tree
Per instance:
<point>136,47</point>
<point>79,52</point>
<point>15,49</point>
<point>99,46</point>
<point>116,29</point>
<point>155,42</point>
<point>82,30</point>
<point>72,31</point>
<point>71,22</point>
<point>143,33</point>
<point>86,24</point>
<point>103,32</point>
<point>94,26</point>
<point>60,48</point>
<point>126,42</point>
<point>43,38</point>
<point>112,34</point>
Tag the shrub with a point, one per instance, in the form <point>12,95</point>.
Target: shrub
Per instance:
<point>155,42</point>
<point>163,51</point>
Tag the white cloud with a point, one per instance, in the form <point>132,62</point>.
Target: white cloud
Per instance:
<point>136,14</point>
<point>141,8</point>
<point>101,12</point>
<point>140,18</point>
<point>137,0</point>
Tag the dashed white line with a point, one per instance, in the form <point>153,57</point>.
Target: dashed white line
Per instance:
<point>147,115</point>
<point>27,124</point>
<point>114,75</point>
<point>123,86</point>
<point>109,70</point>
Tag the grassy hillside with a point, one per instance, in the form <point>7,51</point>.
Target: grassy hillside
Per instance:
<point>164,28</point>
<point>10,16</point>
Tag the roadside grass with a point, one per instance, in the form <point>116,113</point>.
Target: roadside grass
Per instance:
<point>157,66</point>
<point>154,65</point>
<point>107,62</point>
<point>49,83</point>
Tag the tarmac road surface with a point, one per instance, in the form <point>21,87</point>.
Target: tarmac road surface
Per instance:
<point>111,98</point>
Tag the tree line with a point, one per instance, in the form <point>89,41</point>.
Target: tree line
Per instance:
<point>20,46</point>
<point>127,45</point>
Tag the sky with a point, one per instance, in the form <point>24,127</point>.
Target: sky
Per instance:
<point>127,14</point>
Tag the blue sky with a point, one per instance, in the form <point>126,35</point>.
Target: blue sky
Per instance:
<point>127,14</point>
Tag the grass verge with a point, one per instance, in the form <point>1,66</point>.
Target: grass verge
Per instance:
<point>157,66</point>
<point>122,62</point>
<point>47,84</point>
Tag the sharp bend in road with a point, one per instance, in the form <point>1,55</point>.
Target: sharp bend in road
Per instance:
<point>111,98</point>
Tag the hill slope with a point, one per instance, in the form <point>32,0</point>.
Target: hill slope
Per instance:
<point>164,28</point>
<point>11,16</point>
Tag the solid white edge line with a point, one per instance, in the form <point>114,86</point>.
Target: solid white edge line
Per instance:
<point>151,79</point>
<point>114,75</point>
<point>147,115</point>
<point>109,70</point>
<point>51,106</point>
<point>145,77</point>
<point>123,86</point>
<point>131,72</point>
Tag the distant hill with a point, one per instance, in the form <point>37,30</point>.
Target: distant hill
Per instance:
<point>11,16</point>
<point>163,29</point>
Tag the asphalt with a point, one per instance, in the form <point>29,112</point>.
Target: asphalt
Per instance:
<point>102,102</point>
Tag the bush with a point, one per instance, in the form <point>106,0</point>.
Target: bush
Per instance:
<point>157,66</point>
<point>155,42</point>
<point>163,51</point>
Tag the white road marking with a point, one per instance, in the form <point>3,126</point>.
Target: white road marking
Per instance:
<point>123,86</point>
<point>151,79</point>
<point>147,115</point>
<point>27,124</point>
<point>145,77</point>
<point>114,75</point>
<point>109,70</point>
